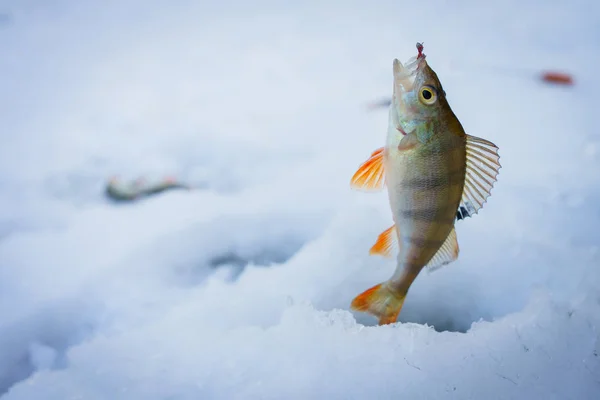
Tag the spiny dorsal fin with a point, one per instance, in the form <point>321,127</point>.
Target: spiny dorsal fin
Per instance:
<point>370,175</point>
<point>482,170</point>
<point>386,241</point>
<point>446,254</point>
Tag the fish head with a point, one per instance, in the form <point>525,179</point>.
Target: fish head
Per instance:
<point>418,96</point>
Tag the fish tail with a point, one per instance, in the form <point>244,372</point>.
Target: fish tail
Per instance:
<point>380,301</point>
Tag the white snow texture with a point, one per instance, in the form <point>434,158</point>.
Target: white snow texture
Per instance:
<point>241,288</point>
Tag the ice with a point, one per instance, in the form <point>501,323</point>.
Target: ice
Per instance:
<point>241,288</point>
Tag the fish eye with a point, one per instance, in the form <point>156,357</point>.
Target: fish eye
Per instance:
<point>427,95</point>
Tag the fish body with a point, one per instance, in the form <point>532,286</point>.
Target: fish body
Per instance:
<point>119,190</point>
<point>434,173</point>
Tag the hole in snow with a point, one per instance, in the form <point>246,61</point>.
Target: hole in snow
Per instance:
<point>276,252</point>
<point>440,317</point>
<point>234,242</point>
<point>443,301</point>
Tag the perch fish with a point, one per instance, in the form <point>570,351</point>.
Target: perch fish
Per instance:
<point>435,174</point>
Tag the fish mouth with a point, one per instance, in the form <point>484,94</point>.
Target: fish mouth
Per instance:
<point>405,77</point>
<point>405,74</point>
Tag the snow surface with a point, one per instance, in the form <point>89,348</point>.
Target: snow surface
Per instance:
<point>241,289</point>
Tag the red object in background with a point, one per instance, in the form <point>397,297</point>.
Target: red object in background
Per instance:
<point>551,77</point>
<point>557,77</point>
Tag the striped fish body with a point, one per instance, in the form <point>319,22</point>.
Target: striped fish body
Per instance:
<point>425,186</point>
<point>434,173</point>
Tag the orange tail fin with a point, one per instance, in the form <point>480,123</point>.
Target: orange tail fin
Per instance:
<point>380,301</point>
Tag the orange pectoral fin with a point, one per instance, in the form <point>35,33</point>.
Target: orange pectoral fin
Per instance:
<point>385,243</point>
<point>370,175</point>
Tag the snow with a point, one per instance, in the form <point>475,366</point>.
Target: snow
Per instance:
<point>241,289</point>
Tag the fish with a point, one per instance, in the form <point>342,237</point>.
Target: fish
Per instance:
<point>435,174</point>
<point>121,191</point>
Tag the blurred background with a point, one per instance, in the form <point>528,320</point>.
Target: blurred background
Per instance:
<point>237,283</point>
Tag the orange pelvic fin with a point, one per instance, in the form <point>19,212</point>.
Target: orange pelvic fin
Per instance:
<point>385,242</point>
<point>381,302</point>
<point>369,176</point>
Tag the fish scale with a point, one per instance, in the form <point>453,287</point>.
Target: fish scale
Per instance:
<point>429,202</point>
